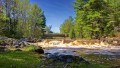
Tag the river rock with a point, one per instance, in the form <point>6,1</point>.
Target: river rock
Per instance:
<point>39,51</point>
<point>20,43</point>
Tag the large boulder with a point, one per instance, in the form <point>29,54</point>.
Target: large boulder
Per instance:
<point>65,58</point>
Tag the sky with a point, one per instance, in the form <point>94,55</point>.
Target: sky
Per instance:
<point>56,11</point>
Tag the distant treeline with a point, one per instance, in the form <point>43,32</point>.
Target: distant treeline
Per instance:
<point>94,19</point>
<point>19,18</point>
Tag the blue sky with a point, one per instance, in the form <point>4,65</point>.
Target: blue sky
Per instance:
<point>56,11</point>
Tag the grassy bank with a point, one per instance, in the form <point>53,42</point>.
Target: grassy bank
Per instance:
<point>29,59</point>
<point>19,60</point>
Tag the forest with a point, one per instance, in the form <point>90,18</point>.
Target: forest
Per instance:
<point>20,19</point>
<point>94,19</point>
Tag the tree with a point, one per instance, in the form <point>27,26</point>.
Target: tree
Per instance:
<point>9,11</point>
<point>3,19</point>
<point>92,19</point>
<point>37,20</point>
<point>66,26</point>
<point>2,24</point>
<point>114,16</point>
<point>18,19</point>
<point>23,9</point>
<point>72,33</point>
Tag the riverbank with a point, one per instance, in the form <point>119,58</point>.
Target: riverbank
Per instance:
<point>30,59</point>
<point>99,54</point>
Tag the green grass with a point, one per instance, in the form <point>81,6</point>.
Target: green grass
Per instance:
<point>19,60</point>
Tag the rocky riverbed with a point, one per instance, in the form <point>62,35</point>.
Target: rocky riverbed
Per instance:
<point>100,53</point>
<point>95,48</point>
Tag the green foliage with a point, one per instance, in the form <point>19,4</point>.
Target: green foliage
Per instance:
<point>37,20</point>
<point>3,24</point>
<point>96,18</point>
<point>21,19</point>
<point>72,33</point>
<point>67,27</point>
<point>114,16</point>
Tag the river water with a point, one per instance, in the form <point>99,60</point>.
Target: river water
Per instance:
<point>73,51</point>
<point>101,56</point>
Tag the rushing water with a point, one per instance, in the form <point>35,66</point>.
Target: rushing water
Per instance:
<point>72,51</point>
<point>100,56</point>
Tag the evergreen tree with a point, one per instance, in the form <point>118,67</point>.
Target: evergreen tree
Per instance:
<point>92,19</point>
<point>37,21</point>
<point>66,26</point>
